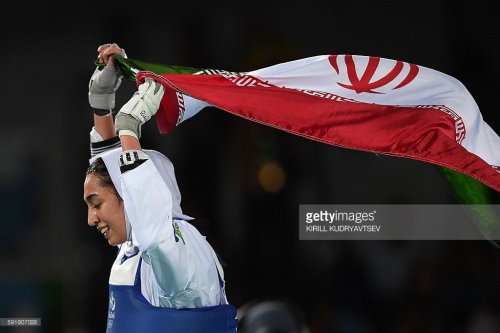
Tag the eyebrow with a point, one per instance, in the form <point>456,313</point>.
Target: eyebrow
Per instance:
<point>90,197</point>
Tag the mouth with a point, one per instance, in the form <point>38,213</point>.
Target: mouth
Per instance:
<point>104,231</point>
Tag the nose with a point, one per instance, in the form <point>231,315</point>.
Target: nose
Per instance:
<point>93,219</point>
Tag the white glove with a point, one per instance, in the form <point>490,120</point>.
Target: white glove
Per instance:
<point>140,108</point>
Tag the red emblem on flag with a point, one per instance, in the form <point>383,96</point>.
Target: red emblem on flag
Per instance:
<point>364,83</point>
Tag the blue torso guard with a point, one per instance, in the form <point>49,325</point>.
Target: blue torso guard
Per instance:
<point>130,312</point>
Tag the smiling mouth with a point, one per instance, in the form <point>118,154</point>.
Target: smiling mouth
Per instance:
<point>104,231</point>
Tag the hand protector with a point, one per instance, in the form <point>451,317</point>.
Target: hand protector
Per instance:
<point>102,87</point>
<point>140,108</point>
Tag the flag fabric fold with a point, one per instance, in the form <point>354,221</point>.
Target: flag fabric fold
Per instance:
<point>364,103</point>
<point>358,102</point>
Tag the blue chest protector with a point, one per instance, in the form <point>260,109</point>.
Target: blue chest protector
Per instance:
<point>130,312</point>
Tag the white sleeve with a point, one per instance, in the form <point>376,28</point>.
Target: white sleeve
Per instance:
<point>148,203</point>
<point>95,136</point>
<point>99,145</point>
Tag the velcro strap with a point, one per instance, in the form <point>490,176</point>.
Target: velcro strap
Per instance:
<point>102,101</point>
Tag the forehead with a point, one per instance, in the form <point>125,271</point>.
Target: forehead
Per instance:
<point>93,186</point>
<point>91,182</point>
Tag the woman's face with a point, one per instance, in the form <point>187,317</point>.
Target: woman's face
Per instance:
<point>105,210</point>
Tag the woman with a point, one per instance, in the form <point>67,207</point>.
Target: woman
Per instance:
<point>166,277</point>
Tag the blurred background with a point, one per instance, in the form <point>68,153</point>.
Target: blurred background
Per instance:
<point>54,267</point>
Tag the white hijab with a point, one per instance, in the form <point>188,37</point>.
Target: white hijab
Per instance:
<point>165,168</point>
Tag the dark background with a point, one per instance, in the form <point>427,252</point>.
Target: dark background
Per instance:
<point>53,266</point>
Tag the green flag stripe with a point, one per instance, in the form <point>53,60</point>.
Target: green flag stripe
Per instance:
<point>475,196</point>
<point>129,67</point>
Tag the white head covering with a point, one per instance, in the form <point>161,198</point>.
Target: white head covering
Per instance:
<point>165,168</point>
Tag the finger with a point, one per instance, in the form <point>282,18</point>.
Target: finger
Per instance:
<point>104,58</point>
<point>111,61</point>
<point>101,58</point>
<point>103,46</point>
<point>107,50</point>
<point>100,50</point>
<point>114,49</point>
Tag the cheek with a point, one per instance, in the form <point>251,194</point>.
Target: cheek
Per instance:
<point>118,218</point>
<point>118,213</point>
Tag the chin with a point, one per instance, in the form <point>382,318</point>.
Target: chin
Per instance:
<point>114,242</point>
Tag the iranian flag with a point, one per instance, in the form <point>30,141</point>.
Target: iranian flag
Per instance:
<point>364,103</point>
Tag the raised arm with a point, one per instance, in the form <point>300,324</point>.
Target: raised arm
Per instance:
<point>146,196</point>
<point>102,88</point>
<point>180,258</point>
<point>140,108</point>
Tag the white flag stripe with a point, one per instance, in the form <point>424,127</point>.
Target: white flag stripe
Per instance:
<point>429,87</point>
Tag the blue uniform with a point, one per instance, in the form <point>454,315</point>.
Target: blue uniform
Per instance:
<point>129,311</point>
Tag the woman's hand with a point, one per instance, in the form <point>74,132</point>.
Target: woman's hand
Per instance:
<point>139,109</point>
<point>105,82</point>
<point>107,50</point>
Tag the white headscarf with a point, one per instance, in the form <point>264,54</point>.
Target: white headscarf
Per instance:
<point>162,164</point>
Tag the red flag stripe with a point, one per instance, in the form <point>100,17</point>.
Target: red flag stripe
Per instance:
<point>424,134</point>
